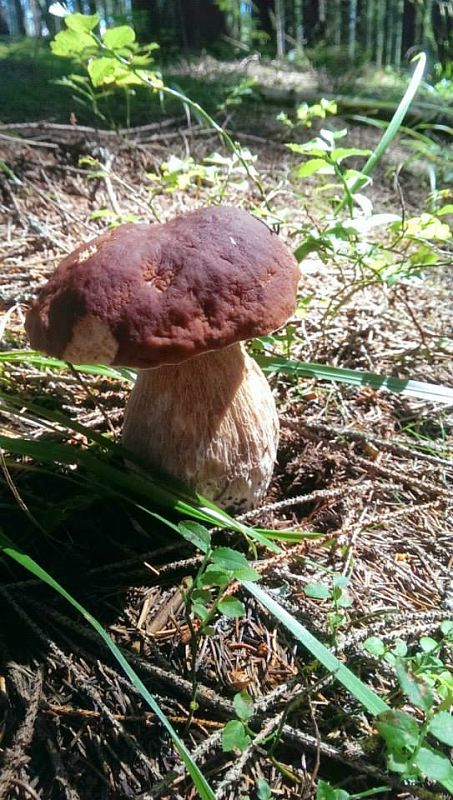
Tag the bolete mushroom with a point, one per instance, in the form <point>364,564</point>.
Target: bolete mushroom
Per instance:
<point>177,301</point>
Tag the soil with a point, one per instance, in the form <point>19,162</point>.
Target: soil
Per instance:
<point>367,470</point>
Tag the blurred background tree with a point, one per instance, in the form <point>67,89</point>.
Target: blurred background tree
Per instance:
<point>332,33</point>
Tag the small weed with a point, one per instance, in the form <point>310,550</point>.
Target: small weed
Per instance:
<point>236,734</point>
<point>426,683</point>
<point>339,599</point>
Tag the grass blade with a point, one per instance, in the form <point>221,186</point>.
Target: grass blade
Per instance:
<point>8,549</point>
<point>47,362</point>
<point>434,393</point>
<point>369,699</point>
<point>130,485</point>
<point>392,129</point>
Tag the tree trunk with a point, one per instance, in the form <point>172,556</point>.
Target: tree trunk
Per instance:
<point>279,17</point>
<point>428,38</point>
<point>380,32</point>
<point>4,27</point>
<point>398,28</point>
<point>299,25</point>
<point>352,26</point>
<point>369,27</point>
<point>335,23</point>
<point>418,21</point>
<point>20,19</point>
<point>141,16</point>
<point>279,8</point>
<point>37,17</point>
<point>245,21</point>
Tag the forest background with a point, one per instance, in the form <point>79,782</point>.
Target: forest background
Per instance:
<point>328,33</point>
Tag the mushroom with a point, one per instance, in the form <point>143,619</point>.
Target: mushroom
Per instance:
<point>177,301</point>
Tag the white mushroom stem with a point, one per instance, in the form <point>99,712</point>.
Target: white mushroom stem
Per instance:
<point>211,422</point>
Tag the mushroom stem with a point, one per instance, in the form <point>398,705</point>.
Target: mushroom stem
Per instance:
<point>211,422</point>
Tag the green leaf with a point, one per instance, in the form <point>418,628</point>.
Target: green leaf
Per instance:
<point>427,226</point>
<point>234,736</point>
<point>202,595</point>
<point>46,362</point>
<point>81,23</point>
<point>200,611</point>
<point>235,562</point>
<point>231,607</point>
<point>398,762</point>
<point>102,70</point>
<point>341,153</point>
<point>434,765</point>
<point>423,256</point>
<point>263,790</point>
<point>121,36</point>
<point>441,726</point>
<point>399,648</point>
<point>446,626</point>
<point>243,705</point>
<point>70,43</point>
<point>324,791</point>
<point>312,166</point>
<point>343,600</point>
<point>400,731</point>
<point>448,209</point>
<point>374,646</point>
<point>213,576</point>
<point>196,534</point>
<point>415,689</point>
<point>319,591</point>
<point>428,644</point>
<point>315,147</point>
<point>341,580</point>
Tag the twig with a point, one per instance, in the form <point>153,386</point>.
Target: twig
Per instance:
<point>328,750</point>
<point>15,757</point>
<point>319,494</point>
<point>406,479</point>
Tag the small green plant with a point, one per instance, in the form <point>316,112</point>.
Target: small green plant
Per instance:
<point>245,89</point>
<point>236,734</point>
<point>113,62</point>
<point>425,662</point>
<point>217,175</point>
<point>305,114</point>
<point>366,248</point>
<point>205,596</point>
<point>324,156</point>
<point>336,593</point>
<point>426,683</point>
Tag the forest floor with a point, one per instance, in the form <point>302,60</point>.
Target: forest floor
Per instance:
<point>367,470</point>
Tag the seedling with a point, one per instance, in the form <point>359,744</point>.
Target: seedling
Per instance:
<point>337,595</point>
<point>206,598</point>
<point>236,734</point>
<point>427,685</point>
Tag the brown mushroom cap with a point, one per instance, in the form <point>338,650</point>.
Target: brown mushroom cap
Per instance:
<point>146,295</point>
